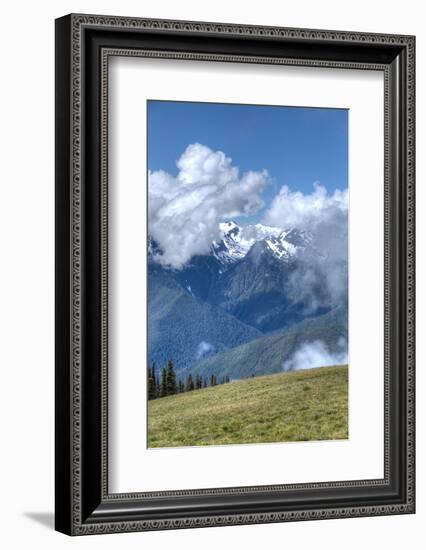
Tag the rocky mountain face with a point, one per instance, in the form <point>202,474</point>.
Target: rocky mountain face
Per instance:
<point>237,242</point>
<point>248,274</point>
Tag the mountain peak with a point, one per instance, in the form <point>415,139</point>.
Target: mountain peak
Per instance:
<point>236,241</point>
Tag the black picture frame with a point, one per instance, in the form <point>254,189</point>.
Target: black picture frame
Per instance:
<point>83,504</point>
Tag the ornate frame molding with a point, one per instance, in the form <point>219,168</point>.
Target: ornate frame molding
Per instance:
<point>71,44</point>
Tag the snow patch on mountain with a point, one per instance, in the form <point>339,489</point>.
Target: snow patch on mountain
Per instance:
<point>281,248</point>
<point>233,246</point>
<point>237,241</point>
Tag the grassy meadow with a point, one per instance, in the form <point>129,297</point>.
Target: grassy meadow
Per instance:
<point>292,406</point>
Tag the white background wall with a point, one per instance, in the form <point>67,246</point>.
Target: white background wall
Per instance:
<point>27,262</point>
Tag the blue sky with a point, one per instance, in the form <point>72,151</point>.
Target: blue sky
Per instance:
<point>296,145</point>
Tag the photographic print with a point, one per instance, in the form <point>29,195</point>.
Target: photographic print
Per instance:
<point>247,274</point>
<point>217,188</point>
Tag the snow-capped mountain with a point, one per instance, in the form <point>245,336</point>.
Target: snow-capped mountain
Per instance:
<point>246,287</point>
<point>232,246</point>
<point>236,241</point>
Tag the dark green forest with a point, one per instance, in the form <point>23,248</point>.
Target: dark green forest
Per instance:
<point>164,382</point>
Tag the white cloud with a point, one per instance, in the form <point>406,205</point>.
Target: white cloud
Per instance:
<point>321,280</point>
<point>204,348</point>
<point>185,211</point>
<point>316,354</point>
<point>306,212</point>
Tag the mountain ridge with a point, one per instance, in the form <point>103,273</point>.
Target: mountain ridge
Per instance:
<point>182,328</point>
<point>237,241</point>
<point>236,305</point>
<point>268,353</point>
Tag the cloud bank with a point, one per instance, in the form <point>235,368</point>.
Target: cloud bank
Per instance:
<point>316,354</point>
<point>204,348</point>
<point>319,280</point>
<point>184,211</point>
<point>306,212</point>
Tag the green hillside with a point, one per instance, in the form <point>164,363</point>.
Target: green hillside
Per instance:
<point>178,323</point>
<point>266,354</point>
<point>293,406</point>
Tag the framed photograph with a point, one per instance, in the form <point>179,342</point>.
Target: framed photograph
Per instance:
<point>234,274</point>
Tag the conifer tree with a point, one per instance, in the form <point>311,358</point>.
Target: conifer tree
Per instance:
<point>213,380</point>
<point>163,387</point>
<point>189,383</point>
<point>157,386</point>
<point>154,381</point>
<point>181,386</point>
<point>204,383</point>
<point>227,379</point>
<point>152,392</point>
<point>171,379</point>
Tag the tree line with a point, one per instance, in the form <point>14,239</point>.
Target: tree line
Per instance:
<point>165,382</point>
